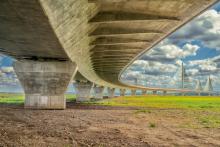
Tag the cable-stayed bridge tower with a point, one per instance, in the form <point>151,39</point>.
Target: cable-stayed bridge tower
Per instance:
<point>198,87</point>
<point>208,87</point>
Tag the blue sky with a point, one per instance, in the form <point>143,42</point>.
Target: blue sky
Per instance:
<point>196,44</point>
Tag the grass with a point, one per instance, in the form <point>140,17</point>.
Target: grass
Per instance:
<point>11,98</point>
<point>152,125</point>
<point>70,97</point>
<point>205,110</point>
<point>166,102</point>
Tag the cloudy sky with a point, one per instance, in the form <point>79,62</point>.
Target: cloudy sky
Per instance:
<point>196,45</point>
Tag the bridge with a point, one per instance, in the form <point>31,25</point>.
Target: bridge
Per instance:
<point>53,39</point>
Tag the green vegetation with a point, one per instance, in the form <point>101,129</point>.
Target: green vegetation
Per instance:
<point>152,125</point>
<point>11,98</point>
<point>70,97</point>
<point>204,111</point>
<point>164,102</point>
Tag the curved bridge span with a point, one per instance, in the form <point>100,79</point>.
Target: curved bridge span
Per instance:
<point>104,36</point>
<point>51,39</point>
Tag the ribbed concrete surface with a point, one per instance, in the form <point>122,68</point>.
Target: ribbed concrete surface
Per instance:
<point>102,36</point>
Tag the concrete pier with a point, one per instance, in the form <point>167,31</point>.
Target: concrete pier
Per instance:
<point>133,92</point>
<point>122,92</point>
<point>83,90</point>
<point>144,92</point>
<point>111,92</point>
<point>101,36</point>
<point>164,93</point>
<point>154,92</point>
<point>44,83</point>
<point>99,90</point>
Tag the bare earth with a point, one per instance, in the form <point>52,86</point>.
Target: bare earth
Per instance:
<point>102,126</point>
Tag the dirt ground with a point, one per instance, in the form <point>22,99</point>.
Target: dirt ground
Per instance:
<point>102,126</point>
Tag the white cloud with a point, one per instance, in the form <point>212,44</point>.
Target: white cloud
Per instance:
<point>159,65</point>
<point>205,28</point>
<point>173,51</point>
<point>7,69</point>
<point>192,72</point>
<point>206,65</point>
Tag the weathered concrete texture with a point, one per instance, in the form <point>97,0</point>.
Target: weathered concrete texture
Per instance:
<point>103,36</point>
<point>99,90</point>
<point>122,92</point>
<point>44,83</point>
<point>83,91</point>
<point>25,31</point>
<point>111,92</point>
<point>133,92</point>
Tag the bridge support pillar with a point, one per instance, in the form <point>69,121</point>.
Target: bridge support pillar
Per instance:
<point>99,90</point>
<point>144,92</point>
<point>83,90</point>
<point>44,83</point>
<point>133,92</point>
<point>122,92</point>
<point>164,93</point>
<point>154,92</point>
<point>111,92</point>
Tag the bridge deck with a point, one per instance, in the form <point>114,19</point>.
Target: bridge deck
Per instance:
<point>102,36</point>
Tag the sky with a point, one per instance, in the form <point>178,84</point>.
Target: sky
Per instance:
<point>196,45</point>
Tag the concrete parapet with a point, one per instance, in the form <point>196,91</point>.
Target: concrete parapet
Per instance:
<point>44,83</point>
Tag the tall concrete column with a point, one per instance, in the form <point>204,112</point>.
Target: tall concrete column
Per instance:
<point>144,92</point>
<point>99,90</point>
<point>154,92</point>
<point>164,92</point>
<point>122,92</point>
<point>44,83</point>
<point>83,90</point>
<point>111,92</point>
<point>133,92</point>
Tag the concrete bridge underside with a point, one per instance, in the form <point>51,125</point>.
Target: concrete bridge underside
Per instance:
<point>103,37</point>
